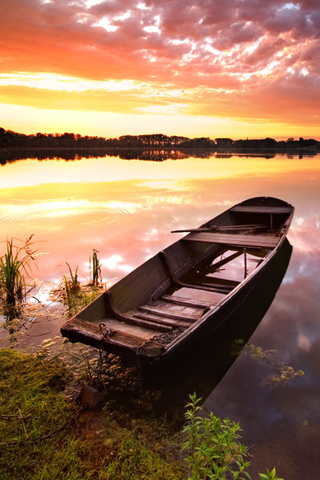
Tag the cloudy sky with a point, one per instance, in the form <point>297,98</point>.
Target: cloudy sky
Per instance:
<point>236,68</point>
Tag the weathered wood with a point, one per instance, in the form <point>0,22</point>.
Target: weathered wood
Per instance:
<point>215,266</point>
<point>212,287</point>
<point>188,302</point>
<point>168,314</point>
<point>217,281</point>
<point>144,323</point>
<point>173,308</point>
<point>124,339</point>
<point>79,329</point>
<point>201,229</point>
<point>151,317</point>
<point>114,313</point>
<point>214,228</point>
<point>234,239</point>
<point>198,286</point>
<point>261,209</point>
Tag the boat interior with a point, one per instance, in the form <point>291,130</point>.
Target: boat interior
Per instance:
<point>176,288</point>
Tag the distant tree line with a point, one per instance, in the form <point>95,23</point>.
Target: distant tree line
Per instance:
<point>10,140</point>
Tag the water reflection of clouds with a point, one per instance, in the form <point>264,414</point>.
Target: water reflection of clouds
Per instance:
<point>305,232</point>
<point>48,213</point>
<point>128,221</point>
<point>158,199</point>
<point>165,184</point>
<point>272,415</point>
<point>115,262</point>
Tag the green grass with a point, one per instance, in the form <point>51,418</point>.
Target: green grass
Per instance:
<point>40,438</point>
<point>134,460</point>
<point>76,296</point>
<point>44,436</point>
<point>74,301</point>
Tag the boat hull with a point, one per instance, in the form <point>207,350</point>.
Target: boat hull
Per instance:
<point>188,290</point>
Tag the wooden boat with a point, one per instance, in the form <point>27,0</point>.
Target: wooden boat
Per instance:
<point>187,290</point>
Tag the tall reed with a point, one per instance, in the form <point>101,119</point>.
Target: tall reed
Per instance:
<point>96,268</point>
<point>15,267</point>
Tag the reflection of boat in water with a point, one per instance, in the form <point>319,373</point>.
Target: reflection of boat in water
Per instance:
<point>189,289</point>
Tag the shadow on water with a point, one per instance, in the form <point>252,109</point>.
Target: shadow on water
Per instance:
<point>201,368</point>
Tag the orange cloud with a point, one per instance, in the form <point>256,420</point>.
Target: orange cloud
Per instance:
<point>248,61</point>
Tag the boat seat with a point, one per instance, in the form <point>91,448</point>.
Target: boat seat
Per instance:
<point>173,315</point>
<point>186,301</point>
<point>157,320</point>
<point>261,209</point>
<point>234,240</point>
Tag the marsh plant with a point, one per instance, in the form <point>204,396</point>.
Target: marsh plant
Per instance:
<point>94,265</point>
<point>214,448</point>
<point>71,284</point>
<point>15,269</point>
<point>76,296</point>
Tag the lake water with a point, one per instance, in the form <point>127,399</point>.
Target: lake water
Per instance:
<point>126,209</point>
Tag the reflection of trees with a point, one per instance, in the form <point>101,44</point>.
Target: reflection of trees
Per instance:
<point>156,147</point>
<point>161,155</point>
<point>125,154</point>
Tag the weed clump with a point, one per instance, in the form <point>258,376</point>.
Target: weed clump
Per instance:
<point>15,268</point>
<point>214,448</point>
<point>76,296</point>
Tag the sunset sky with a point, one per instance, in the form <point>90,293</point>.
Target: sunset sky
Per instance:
<point>235,68</point>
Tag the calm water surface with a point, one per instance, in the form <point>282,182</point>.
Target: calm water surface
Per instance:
<point>127,209</point>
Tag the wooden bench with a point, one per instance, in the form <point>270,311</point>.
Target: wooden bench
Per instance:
<point>234,240</point>
<point>261,209</point>
<point>186,301</point>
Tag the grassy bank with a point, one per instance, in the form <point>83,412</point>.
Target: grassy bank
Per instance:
<point>46,436</point>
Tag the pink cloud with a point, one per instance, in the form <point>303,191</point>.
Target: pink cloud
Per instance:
<point>248,49</point>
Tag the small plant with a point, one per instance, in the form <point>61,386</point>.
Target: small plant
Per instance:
<point>269,475</point>
<point>214,448</point>
<point>15,266</point>
<point>76,296</point>
<point>96,268</point>
<point>71,288</point>
<point>71,285</point>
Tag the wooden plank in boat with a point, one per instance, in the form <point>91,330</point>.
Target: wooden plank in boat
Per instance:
<point>212,287</point>
<point>261,209</point>
<point>234,239</point>
<point>215,266</point>
<point>125,340</point>
<point>143,330</point>
<point>185,301</point>
<point>169,314</point>
<point>151,325</point>
<point>81,328</point>
<point>158,320</point>
<point>122,343</point>
<point>217,282</point>
<point>221,228</point>
<point>174,308</point>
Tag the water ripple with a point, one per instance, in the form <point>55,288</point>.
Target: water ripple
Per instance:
<point>50,216</point>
